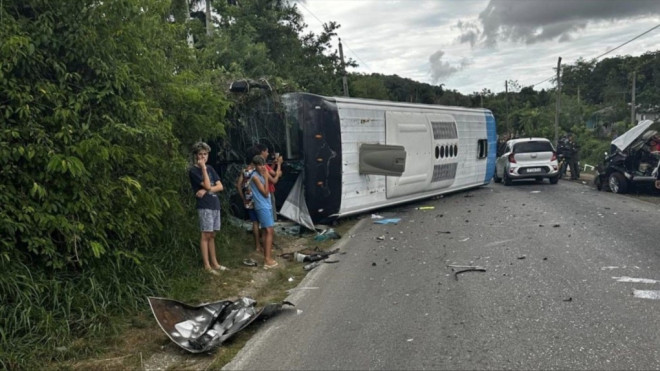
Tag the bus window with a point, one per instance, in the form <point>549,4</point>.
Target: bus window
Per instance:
<point>482,148</point>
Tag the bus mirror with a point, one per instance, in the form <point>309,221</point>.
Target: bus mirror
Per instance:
<point>382,159</point>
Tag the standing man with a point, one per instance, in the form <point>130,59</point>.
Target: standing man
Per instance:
<point>274,174</point>
<point>206,184</point>
<point>573,157</point>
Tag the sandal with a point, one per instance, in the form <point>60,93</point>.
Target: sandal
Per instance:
<point>211,271</point>
<point>221,268</point>
<point>266,266</point>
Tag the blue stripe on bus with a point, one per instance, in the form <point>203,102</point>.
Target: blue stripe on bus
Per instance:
<point>491,132</point>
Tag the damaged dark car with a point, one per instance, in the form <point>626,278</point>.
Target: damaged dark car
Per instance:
<point>633,159</point>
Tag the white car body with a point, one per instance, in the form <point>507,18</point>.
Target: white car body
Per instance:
<point>527,158</point>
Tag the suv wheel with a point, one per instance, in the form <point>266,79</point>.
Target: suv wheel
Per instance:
<point>554,179</point>
<point>617,183</point>
<point>507,180</point>
<point>496,179</point>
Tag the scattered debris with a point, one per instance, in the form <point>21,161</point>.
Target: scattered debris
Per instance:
<point>465,268</point>
<point>380,238</point>
<point>315,256</point>
<point>425,208</point>
<point>569,299</point>
<point>522,257</point>
<point>376,216</point>
<point>200,328</point>
<point>388,221</point>
<point>312,265</point>
<point>373,264</point>
<point>472,269</point>
<point>555,225</point>
<point>250,262</point>
<point>327,234</point>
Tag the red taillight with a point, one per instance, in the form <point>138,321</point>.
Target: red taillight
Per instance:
<point>512,159</point>
<point>554,156</point>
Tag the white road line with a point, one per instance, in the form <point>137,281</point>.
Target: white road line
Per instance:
<point>634,280</point>
<point>647,294</point>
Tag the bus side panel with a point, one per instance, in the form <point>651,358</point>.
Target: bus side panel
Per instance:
<point>492,147</point>
<point>428,154</point>
<point>411,130</point>
<point>472,168</point>
<point>322,157</point>
<point>360,124</point>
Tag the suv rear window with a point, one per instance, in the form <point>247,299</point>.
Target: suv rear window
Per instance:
<point>534,146</point>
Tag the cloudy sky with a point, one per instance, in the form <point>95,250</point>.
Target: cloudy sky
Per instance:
<point>471,45</point>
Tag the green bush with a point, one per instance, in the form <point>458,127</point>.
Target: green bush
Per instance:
<point>95,198</point>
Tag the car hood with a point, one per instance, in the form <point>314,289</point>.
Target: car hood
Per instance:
<point>637,135</point>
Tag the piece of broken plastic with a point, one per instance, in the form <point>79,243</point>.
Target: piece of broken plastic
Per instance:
<point>388,221</point>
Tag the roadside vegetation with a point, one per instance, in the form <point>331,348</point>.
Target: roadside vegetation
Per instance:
<point>99,104</point>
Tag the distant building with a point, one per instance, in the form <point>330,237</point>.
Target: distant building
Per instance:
<point>603,119</point>
<point>652,113</point>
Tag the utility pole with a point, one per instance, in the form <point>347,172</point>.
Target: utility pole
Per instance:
<point>343,69</point>
<point>506,95</point>
<point>558,108</point>
<point>209,26</point>
<point>632,104</point>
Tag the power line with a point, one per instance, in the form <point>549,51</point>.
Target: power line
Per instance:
<point>344,43</point>
<point>634,38</point>
<point>613,49</point>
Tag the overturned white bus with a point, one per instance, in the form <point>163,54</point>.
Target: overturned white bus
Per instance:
<point>357,155</point>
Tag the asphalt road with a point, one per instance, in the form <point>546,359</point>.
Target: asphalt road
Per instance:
<point>563,264</point>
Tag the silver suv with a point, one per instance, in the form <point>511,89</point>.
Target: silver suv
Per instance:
<point>528,158</point>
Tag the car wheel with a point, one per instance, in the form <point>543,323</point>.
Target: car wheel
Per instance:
<point>507,180</point>
<point>554,179</point>
<point>496,179</point>
<point>617,183</point>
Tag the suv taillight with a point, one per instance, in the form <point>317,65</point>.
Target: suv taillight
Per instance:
<point>512,159</point>
<point>554,156</point>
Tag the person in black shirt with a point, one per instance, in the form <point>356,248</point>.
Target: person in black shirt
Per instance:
<point>573,157</point>
<point>206,183</point>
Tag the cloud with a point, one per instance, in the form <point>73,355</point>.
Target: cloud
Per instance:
<point>440,69</point>
<point>532,21</point>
